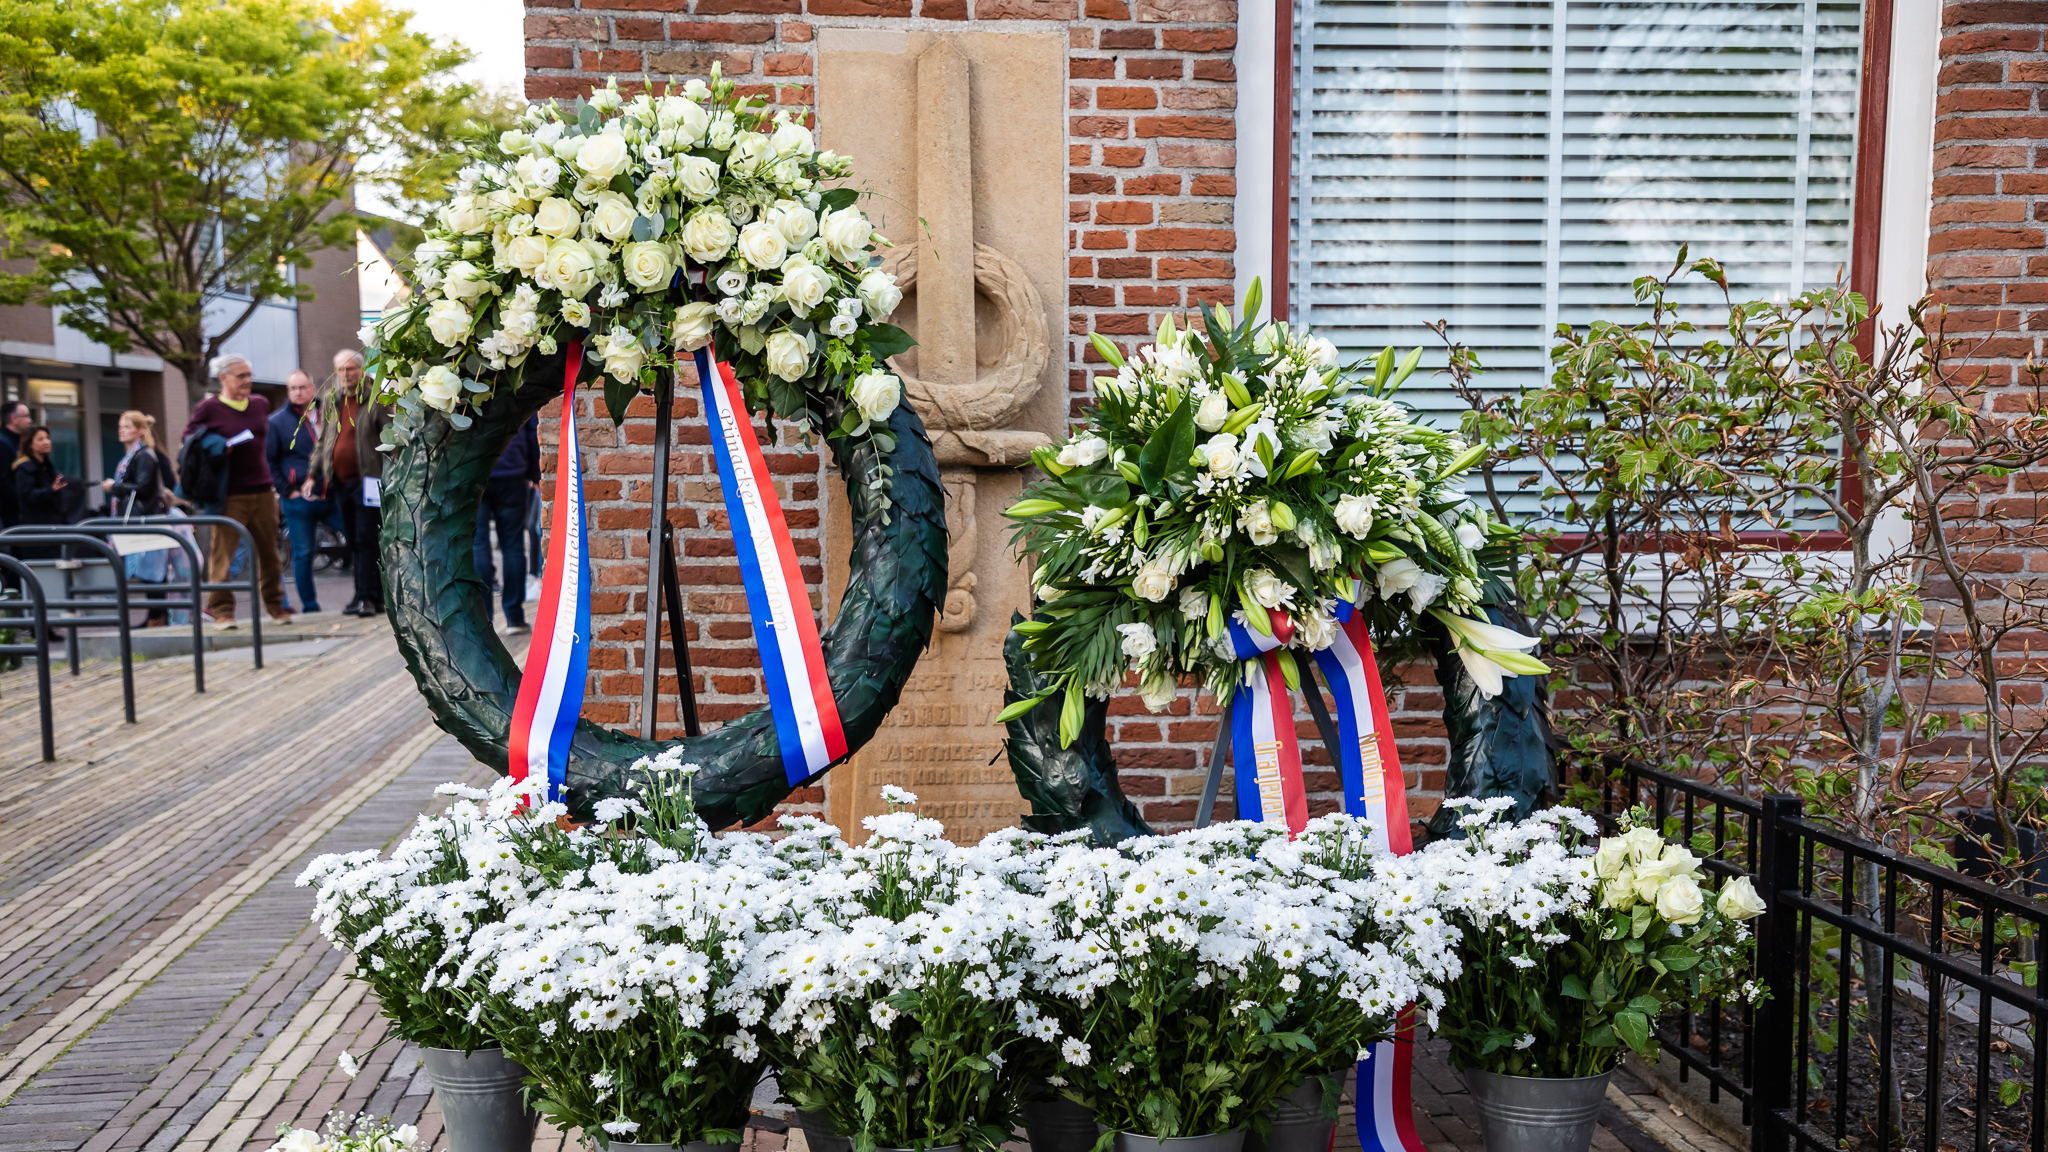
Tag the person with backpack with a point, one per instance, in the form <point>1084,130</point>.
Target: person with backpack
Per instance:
<point>240,419</point>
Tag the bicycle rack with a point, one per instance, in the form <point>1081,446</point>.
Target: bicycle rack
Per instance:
<point>41,617</point>
<point>254,589</point>
<point>195,566</point>
<point>31,534</point>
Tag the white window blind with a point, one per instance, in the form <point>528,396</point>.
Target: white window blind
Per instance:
<point>1510,166</point>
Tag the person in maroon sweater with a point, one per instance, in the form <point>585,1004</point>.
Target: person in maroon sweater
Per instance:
<point>242,419</point>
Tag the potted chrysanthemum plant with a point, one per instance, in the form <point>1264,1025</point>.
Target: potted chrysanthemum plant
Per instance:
<point>405,918</point>
<point>1195,980</point>
<point>896,984</point>
<point>1570,950</point>
<point>619,981</point>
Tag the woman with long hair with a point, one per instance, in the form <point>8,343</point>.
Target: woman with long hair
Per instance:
<point>139,488</point>
<point>38,489</point>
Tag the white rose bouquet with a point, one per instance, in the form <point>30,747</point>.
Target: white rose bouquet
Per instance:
<point>1241,473</point>
<point>647,228</point>
<point>1570,953</point>
<point>361,1133</point>
<point>1189,981</point>
<point>898,983</point>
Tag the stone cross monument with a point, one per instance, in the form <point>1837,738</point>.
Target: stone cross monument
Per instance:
<point>963,137</point>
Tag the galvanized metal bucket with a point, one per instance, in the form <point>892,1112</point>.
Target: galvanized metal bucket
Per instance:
<point>1218,1142</point>
<point>1056,1124</point>
<point>1534,1114</point>
<point>1298,1123</point>
<point>482,1105</point>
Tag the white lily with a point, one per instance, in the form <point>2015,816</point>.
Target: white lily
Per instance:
<point>1491,652</point>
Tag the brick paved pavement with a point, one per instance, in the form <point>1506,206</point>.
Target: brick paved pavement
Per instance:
<point>162,988</point>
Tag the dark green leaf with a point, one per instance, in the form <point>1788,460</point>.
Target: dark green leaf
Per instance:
<point>886,340</point>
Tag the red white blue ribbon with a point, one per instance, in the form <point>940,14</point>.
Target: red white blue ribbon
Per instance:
<point>1375,790</point>
<point>1263,752</point>
<point>558,661</point>
<point>792,660</point>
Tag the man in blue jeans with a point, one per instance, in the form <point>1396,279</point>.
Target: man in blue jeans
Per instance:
<point>294,432</point>
<point>507,495</point>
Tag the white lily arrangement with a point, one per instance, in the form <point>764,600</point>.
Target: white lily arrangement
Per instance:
<point>1240,473</point>
<point>1569,952</point>
<point>341,1133</point>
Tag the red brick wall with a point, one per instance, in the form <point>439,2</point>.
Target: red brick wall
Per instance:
<point>1152,93</point>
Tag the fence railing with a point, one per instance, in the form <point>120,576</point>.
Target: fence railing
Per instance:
<point>1904,1007</point>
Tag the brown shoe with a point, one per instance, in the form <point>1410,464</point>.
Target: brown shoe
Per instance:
<point>284,617</point>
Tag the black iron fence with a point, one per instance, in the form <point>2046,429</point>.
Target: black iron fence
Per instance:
<point>1904,1007</point>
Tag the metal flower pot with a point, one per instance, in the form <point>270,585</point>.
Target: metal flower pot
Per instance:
<point>1057,1124</point>
<point>1217,1142</point>
<point>483,1107</point>
<point>818,1133</point>
<point>1536,1114</point>
<point>1298,1123</point>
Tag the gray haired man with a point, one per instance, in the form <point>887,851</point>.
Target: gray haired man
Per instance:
<point>240,418</point>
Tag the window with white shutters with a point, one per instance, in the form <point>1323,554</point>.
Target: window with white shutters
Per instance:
<point>1508,167</point>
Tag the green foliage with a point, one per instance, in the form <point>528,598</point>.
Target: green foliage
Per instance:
<point>158,157</point>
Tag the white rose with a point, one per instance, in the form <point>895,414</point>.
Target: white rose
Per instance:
<point>1353,515</point>
<point>1322,353</point>
<point>803,286</point>
<point>877,394</point>
<point>515,142</point>
<point>1083,452</point>
<point>570,269</point>
<point>790,139</point>
<point>1739,901</point>
<point>697,176</point>
<point>796,222</point>
<point>565,148</point>
<point>539,171</point>
<point>604,155</point>
<point>845,233</point>
<point>463,214</point>
<point>527,253</point>
<point>1221,454</point>
<point>749,155</point>
<point>879,293</point>
<point>707,236</point>
<point>1398,576</point>
<point>762,245</point>
<point>1157,691</point>
<point>689,119</point>
<point>612,215</point>
<point>449,321</point>
<point>1643,844</point>
<point>576,312</point>
<point>1620,891</point>
<point>1139,640</point>
<point>557,217</point>
<point>1194,603</point>
<point>1214,411</point>
<point>789,356</point>
<point>649,264</point>
<point>1257,521</point>
<point>691,329</point>
<point>441,387</point>
<point>1611,857</point>
<point>1153,582</point>
<point>1679,902</point>
<point>1268,590</point>
<point>623,355</point>
<point>466,281</point>
<point>732,281</point>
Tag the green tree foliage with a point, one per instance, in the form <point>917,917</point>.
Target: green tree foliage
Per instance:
<point>161,160</point>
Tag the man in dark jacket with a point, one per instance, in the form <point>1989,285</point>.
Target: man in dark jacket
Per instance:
<point>507,495</point>
<point>294,437</point>
<point>14,421</point>
<point>347,461</point>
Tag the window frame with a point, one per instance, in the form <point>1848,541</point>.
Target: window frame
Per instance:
<point>1866,222</point>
